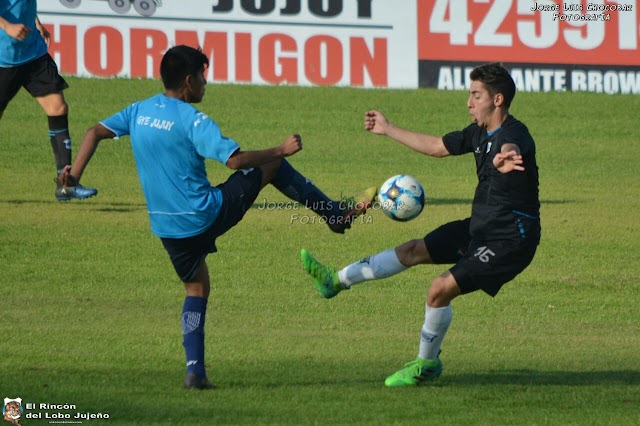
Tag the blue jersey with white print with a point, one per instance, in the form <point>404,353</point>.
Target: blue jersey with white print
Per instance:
<point>170,141</point>
<point>15,52</point>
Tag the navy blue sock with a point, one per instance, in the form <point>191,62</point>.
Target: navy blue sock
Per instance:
<point>193,315</point>
<point>297,187</point>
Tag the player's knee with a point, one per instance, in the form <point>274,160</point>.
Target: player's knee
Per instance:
<point>435,295</point>
<point>63,108</point>
<point>413,253</point>
<point>198,289</point>
<point>440,293</point>
<point>54,105</point>
<point>57,109</point>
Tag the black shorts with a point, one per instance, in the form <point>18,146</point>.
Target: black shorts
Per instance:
<point>238,194</point>
<point>481,265</point>
<point>40,77</point>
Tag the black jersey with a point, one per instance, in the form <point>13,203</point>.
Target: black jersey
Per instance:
<point>505,205</point>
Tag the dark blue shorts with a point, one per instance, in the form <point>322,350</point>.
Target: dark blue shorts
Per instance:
<point>39,77</point>
<point>480,265</point>
<point>238,194</point>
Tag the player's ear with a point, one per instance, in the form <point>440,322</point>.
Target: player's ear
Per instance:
<point>498,100</point>
<point>188,81</point>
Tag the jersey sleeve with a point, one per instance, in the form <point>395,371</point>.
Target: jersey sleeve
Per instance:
<point>459,142</point>
<point>209,141</point>
<point>520,136</point>
<point>119,123</point>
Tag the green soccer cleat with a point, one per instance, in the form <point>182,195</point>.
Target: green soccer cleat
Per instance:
<point>325,277</point>
<point>351,208</point>
<point>416,372</point>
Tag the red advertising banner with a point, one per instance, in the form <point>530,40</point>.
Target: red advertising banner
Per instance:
<point>108,51</point>
<point>544,31</point>
<point>590,45</point>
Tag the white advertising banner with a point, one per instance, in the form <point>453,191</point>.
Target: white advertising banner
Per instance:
<point>358,43</point>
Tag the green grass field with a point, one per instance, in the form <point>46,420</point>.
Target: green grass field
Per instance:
<point>91,306</point>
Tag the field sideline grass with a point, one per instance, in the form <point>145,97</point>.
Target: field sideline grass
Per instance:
<point>91,306</point>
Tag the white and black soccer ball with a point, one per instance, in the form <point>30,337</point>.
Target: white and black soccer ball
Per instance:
<point>401,197</point>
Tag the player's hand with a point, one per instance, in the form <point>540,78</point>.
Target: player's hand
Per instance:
<point>508,161</point>
<point>291,145</point>
<point>18,31</point>
<point>375,122</point>
<point>65,176</point>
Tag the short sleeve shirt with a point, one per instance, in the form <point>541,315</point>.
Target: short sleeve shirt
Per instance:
<point>15,52</point>
<point>500,198</point>
<point>170,140</point>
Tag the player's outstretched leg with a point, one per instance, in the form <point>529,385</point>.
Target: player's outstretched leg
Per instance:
<point>324,277</point>
<point>339,215</point>
<point>415,372</point>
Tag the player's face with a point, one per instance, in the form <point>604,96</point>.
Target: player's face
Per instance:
<point>197,87</point>
<point>481,104</point>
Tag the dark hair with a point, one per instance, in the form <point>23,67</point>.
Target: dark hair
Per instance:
<point>496,79</point>
<point>179,62</point>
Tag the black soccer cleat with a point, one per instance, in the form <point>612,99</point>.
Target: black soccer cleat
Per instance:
<point>192,381</point>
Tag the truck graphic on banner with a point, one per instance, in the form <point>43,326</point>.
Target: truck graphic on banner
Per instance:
<point>143,7</point>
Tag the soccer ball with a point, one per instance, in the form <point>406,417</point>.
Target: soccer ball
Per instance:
<point>401,197</point>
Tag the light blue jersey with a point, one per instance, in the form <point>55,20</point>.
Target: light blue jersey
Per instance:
<point>170,141</point>
<point>14,52</point>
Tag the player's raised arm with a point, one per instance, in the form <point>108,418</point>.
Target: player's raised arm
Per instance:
<point>248,159</point>
<point>375,122</point>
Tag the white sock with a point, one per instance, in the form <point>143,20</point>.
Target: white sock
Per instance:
<point>381,265</point>
<point>436,323</point>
